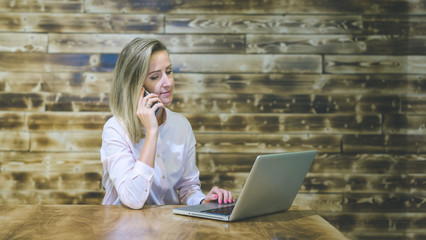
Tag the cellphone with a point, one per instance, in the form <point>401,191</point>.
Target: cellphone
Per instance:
<point>156,111</point>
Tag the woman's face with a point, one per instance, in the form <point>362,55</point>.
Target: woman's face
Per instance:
<point>160,78</point>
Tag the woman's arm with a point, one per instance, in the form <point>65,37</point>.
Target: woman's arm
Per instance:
<point>131,178</point>
<point>189,186</point>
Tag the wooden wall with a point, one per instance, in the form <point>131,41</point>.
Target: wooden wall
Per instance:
<point>344,77</point>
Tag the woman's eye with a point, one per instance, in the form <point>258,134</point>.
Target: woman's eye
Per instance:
<point>153,77</point>
<point>169,72</point>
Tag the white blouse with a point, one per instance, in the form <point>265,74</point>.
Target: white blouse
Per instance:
<point>174,178</point>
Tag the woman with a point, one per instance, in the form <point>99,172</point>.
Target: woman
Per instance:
<point>148,151</point>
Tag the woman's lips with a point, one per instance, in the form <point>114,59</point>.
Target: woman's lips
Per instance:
<point>166,94</point>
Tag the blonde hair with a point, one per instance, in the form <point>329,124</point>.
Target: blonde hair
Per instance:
<point>129,77</point>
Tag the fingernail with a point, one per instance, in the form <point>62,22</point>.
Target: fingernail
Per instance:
<point>225,201</point>
<point>220,202</point>
<point>215,196</point>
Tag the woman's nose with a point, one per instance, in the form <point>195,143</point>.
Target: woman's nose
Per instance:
<point>166,79</point>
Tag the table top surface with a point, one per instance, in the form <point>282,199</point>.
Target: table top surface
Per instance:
<point>154,222</point>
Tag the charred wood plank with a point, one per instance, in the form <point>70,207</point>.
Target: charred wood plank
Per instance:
<point>114,43</point>
<point>289,24</point>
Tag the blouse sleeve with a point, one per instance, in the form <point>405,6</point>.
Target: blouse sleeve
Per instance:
<point>131,178</point>
<point>189,186</point>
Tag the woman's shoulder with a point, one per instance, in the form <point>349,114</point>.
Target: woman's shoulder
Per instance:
<point>177,118</point>
<point>114,128</point>
<point>113,123</point>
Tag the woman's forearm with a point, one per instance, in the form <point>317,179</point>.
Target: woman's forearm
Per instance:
<point>148,150</point>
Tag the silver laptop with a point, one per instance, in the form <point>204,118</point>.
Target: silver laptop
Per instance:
<point>271,186</point>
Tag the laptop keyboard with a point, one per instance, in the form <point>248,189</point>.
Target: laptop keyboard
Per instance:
<point>225,210</point>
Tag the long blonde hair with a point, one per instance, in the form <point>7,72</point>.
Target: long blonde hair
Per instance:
<point>129,77</point>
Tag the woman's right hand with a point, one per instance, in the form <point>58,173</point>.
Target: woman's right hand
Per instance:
<point>146,110</point>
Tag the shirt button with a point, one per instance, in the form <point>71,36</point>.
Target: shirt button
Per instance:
<point>158,155</point>
<point>164,177</point>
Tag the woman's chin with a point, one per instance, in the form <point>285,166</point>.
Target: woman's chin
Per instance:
<point>167,101</point>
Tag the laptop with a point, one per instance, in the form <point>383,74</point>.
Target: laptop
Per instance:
<point>271,186</point>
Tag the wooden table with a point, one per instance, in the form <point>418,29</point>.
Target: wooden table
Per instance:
<point>61,222</point>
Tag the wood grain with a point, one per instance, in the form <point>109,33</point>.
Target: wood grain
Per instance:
<point>23,42</point>
<point>324,163</point>
<point>53,102</point>
<point>288,123</point>
<point>34,62</point>
<point>12,121</point>
<point>59,141</point>
<point>51,197</point>
<point>25,181</point>
<point>14,141</point>
<point>329,183</point>
<point>51,82</point>
<point>21,101</point>
<point>293,43</point>
<point>301,24</point>
<point>362,225</point>
<point>363,183</point>
<point>336,44</point>
<point>74,23</point>
<point>236,63</point>
<point>78,103</point>
<point>113,43</point>
<point>45,162</point>
<point>404,124</point>
<point>366,64</point>
<point>75,6</point>
<point>54,121</point>
<point>258,6</point>
<point>154,222</point>
<point>281,103</point>
<point>395,143</point>
<point>372,202</point>
<point>295,83</point>
<point>255,143</point>
<point>375,64</point>
<point>413,103</point>
<point>395,25</point>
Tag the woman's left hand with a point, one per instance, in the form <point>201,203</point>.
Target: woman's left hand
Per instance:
<point>219,195</point>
